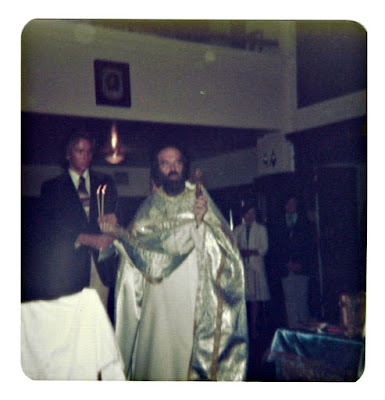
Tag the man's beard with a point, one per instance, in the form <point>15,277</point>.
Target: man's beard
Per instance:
<point>170,186</point>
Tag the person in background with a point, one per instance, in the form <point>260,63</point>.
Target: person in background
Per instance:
<point>181,311</point>
<point>294,257</point>
<point>252,240</point>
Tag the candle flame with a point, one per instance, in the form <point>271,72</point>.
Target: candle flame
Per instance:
<point>114,137</point>
<point>115,151</point>
<point>99,188</point>
<point>104,189</point>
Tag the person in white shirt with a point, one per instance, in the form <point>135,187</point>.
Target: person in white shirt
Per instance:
<point>252,240</point>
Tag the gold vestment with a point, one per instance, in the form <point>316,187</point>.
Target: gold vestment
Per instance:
<point>219,349</point>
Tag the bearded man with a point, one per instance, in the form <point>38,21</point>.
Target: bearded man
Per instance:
<point>180,307</point>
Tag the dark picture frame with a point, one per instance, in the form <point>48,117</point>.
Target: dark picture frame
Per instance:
<point>112,83</point>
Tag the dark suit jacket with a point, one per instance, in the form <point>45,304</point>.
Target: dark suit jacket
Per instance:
<point>296,245</point>
<point>60,268</point>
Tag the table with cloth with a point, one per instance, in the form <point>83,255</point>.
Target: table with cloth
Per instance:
<point>69,338</point>
<point>301,355</point>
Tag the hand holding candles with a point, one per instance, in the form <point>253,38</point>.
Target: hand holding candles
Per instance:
<point>108,223</point>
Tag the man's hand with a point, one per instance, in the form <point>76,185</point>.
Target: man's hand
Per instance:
<point>97,242</point>
<point>200,209</point>
<point>108,223</point>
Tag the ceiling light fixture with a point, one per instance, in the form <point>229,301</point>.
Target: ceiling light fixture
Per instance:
<point>115,152</point>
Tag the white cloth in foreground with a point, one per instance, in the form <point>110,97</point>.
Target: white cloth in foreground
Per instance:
<point>69,338</point>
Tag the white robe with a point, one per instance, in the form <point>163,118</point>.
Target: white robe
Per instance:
<point>164,340</point>
<point>164,343</point>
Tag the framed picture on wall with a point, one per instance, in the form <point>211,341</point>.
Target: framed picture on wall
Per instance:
<point>112,83</point>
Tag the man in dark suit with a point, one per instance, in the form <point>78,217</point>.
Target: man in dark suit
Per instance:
<point>70,235</point>
<point>293,257</point>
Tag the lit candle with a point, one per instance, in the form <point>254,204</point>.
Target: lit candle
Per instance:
<point>103,193</point>
<point>98,198</point>
<point>114,137</point>
<point>117,154</point>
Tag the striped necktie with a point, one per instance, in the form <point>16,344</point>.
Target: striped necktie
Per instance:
<point>83,194</point>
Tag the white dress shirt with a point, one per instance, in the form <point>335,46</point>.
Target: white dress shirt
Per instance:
<point>75,179</point>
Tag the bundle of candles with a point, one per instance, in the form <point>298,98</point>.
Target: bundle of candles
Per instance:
<point>101,189</point>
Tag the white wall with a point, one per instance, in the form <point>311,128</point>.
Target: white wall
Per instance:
<point>275,154</point>
<point>327,112</point>
<point>332,111</point>
<point>231,169</point>
<point>171,81</point>
<point>176,82</point>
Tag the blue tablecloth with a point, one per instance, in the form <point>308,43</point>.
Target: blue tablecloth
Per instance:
<point>319,357</point>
